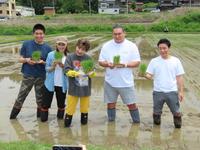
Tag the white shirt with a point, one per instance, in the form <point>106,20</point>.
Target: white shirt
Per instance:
<point>128,51</point>
<point>164,72</point>
<point>58,80</point>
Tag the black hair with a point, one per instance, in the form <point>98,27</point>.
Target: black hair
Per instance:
<point>39,27</point>
<point>164,41</point>
<point>83,43</point>
<point>118,26</point>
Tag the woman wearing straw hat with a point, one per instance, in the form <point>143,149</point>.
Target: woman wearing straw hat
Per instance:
<point>55,81</point>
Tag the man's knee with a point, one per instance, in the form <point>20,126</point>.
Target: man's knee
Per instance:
<point>111,105</point>
<point>132,106</point>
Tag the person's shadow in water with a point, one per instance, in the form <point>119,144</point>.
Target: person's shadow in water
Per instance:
<point>44,133</point>
<point>20,131</point>
<point>173,137</point>
<point>84,134</point>
<point>64,135</point>
<point>133,132</point>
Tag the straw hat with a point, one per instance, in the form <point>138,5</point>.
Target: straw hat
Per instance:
<point>61,39</point>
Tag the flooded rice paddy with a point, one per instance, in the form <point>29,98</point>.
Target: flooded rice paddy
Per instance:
<point>99,131</point>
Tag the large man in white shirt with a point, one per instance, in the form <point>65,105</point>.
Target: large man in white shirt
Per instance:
<point>167,73</point>
<point>119,77</point>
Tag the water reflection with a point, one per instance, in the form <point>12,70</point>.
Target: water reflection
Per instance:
<point>19,129</point>
<point>98,131</point>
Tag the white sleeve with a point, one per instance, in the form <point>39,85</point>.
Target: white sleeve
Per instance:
<point>150,68</point>
<point>136,54</point>
<point>102,56</point>
<point>179,70</point>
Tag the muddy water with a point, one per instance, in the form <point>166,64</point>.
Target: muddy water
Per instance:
<point>98,131</point>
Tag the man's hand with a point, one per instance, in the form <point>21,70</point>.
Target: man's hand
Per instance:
<point>141,75</point>
<point>30,61</point>
<point>40,61</point>
<point>106,64</point>
<point>120,65</point>
<point>110,65</point>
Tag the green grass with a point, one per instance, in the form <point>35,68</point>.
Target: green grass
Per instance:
<point>189,22</point>
<point>14,38</point>
<point>186,23</point>
<point>28,145</point>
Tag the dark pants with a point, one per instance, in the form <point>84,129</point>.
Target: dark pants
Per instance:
<point>171,98</point>
<point>27,84</point>
<point>48,97</point>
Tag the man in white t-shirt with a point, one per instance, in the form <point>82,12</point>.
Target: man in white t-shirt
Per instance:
<point>167,73</point>
<point>119,56</point>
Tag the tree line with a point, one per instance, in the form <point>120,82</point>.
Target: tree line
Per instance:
<point>61,6</point>
<point>66,6</point>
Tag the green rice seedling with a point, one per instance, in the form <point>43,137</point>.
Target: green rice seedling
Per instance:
<point>116,59</point>
<point>87,65</point>
<point>142,69</point>
<point>36,55</point>
<point>58,56</point>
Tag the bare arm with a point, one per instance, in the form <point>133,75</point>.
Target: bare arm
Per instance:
<point>180,85</point>
<point>132,64</point>
<point>26,60</point>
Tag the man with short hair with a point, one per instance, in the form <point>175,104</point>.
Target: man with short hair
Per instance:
<point>119,56</point>
<point>167,73</point>
<point>33,71</point>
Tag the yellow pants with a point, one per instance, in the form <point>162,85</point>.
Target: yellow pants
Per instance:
<point>72,102</point>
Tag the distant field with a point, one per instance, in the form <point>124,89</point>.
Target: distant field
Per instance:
<point>100,135</point>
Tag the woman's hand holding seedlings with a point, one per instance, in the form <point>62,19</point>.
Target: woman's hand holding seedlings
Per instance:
<point>61,64</point>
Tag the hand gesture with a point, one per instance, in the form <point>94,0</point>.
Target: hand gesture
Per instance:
<point>30,61</point>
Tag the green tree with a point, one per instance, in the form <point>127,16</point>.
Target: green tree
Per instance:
<point>38,5</point>
<point>94,5</point>
<point>71,6</point>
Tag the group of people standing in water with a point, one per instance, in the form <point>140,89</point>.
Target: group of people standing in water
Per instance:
<point>65,77</point>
